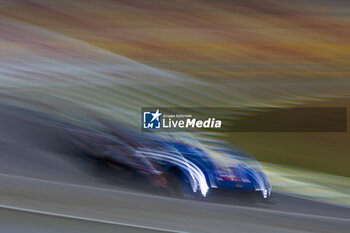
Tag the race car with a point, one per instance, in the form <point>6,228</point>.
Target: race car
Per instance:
<point>187,169</point>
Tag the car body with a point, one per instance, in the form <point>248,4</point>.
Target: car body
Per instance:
<point>190,169</point>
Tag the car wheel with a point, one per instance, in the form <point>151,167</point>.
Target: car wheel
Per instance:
<point>180,185</point>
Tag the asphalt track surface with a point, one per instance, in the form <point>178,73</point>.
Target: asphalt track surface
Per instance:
<point>45,188</point>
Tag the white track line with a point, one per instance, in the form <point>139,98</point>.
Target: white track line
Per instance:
<point>86,219</point>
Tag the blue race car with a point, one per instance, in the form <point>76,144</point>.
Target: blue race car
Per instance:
<point>187,169</point>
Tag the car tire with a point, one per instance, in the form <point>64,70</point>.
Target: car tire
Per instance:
<point>180,186</point>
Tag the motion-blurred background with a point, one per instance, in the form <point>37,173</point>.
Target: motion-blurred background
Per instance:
<point>117,56</point>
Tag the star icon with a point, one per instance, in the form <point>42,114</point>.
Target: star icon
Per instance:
<point>156,115</point>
